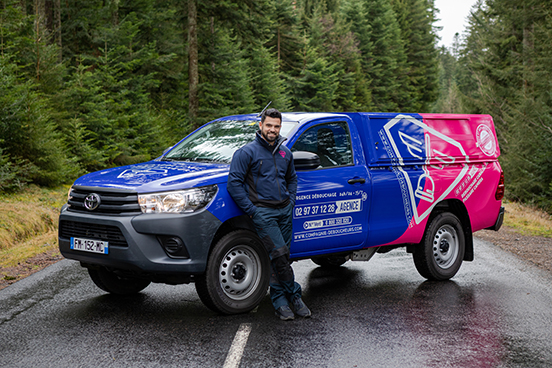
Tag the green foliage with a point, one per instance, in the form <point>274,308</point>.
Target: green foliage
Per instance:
<point>224,75</point>
<point>95,83</point>
<point>384,62</point>
<point>267,82</point>
<point>108,97</point>
<point>507,72</point>
<point>14,175</point>
<point>450,98</point>
<point>285,39</point>
<point>30,146</point>
<point>416,18</point>
<point>316,86</point>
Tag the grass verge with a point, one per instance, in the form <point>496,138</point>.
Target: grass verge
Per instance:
<point>28,223</point>
<point>527,220</point>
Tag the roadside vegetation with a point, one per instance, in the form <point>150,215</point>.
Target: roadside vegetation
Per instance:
<point>528,220</point>
<point>28,223</point>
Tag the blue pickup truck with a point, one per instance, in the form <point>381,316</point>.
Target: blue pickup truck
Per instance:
<point>367,183</point>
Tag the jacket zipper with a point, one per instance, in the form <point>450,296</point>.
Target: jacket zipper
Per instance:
<point>276,174</point>
<point>258,175</point>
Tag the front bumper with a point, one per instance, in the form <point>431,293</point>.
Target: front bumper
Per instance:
<point>136,245</point>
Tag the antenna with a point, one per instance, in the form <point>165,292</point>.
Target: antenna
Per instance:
<point>268,104</point>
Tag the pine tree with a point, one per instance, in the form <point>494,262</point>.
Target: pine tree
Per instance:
<point>383,56</point>
<point>508,51</point>
<point>285,39</point>
<point>224,74</point>
<point>339,45</point>
<point>416,18</point>
<point>30,145</point>
<point>108,96</point>
<point>450,99</point>
<point>267,82</point>
<point>316,85</point>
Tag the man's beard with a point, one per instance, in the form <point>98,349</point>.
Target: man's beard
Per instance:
<point>265,136</point>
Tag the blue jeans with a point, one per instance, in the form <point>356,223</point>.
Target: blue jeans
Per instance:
<point>274,227</point>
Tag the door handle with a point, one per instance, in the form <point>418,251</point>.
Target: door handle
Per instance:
<point>356,180</point>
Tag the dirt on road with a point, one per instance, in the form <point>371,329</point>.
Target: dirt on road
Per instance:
<point>534,249</point>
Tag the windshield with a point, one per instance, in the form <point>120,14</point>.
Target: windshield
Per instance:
<point>218,141</point>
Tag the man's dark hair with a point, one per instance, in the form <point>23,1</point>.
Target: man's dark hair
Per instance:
<point>272,113</point>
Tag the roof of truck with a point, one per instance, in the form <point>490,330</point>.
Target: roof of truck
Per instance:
<point>299,117</point>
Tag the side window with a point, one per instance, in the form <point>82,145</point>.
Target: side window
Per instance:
<point>329,141</point>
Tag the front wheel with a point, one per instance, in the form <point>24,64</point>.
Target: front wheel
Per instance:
<point>237,274</point>
<point>115,284</point>
<point>440,254</point>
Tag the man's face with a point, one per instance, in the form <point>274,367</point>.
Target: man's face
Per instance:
<point>270,129</point>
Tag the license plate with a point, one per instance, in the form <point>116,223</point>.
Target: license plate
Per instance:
<point>90,245</point>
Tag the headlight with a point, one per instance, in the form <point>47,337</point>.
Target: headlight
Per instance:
<point>189,200</point>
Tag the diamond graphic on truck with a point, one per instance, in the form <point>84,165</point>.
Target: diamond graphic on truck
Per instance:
<point>436,149</point>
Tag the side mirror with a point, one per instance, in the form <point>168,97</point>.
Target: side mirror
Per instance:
<point>304,160</point>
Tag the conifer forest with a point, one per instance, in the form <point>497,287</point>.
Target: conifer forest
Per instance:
<point>91,84</point>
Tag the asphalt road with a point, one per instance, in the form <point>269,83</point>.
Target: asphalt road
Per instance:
<point>497,312</point>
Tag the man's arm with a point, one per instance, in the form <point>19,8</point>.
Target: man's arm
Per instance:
<point>236,180</point>
<point>291,179</point>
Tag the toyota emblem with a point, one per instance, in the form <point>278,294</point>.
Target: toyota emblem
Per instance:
<point>92,201</point>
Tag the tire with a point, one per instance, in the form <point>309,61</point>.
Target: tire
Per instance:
<point>114,284</point>
<point>237,274</point>
<point>329,262</point>
<point>441,252</point>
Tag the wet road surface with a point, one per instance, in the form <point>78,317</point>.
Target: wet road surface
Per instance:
<point>497,312</point>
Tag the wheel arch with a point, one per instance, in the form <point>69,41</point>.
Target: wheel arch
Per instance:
<point>457,208</point>
<point>235,223</point>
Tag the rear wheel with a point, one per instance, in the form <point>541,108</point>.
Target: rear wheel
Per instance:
<point>440,254</point>
<point>237,274</point>
<point>112,283</point>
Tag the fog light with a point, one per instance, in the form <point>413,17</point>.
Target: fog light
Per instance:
<point>174,246</point>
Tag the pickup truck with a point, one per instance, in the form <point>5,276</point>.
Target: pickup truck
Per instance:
<point>367,183</point>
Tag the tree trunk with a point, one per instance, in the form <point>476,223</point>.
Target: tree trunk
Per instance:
<point>49,17</point>
<point>40,11</point>
<point>57,28</point>
<point>193,75</point>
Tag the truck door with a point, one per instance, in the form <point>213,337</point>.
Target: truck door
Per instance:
<point>332,200</point>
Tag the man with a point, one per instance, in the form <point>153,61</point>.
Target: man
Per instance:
<point>263,183</point>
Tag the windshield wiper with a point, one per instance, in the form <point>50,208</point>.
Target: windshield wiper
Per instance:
<point>201,159</point>
<point>188,159</point>
<point>171,159</point>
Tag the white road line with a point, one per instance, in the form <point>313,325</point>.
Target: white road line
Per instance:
<point>238,346</point>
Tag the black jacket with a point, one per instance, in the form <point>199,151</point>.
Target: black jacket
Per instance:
<point>262,175</point>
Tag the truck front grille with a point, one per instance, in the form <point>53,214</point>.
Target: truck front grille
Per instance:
<point>111,234</point>
<point>103,201</point>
